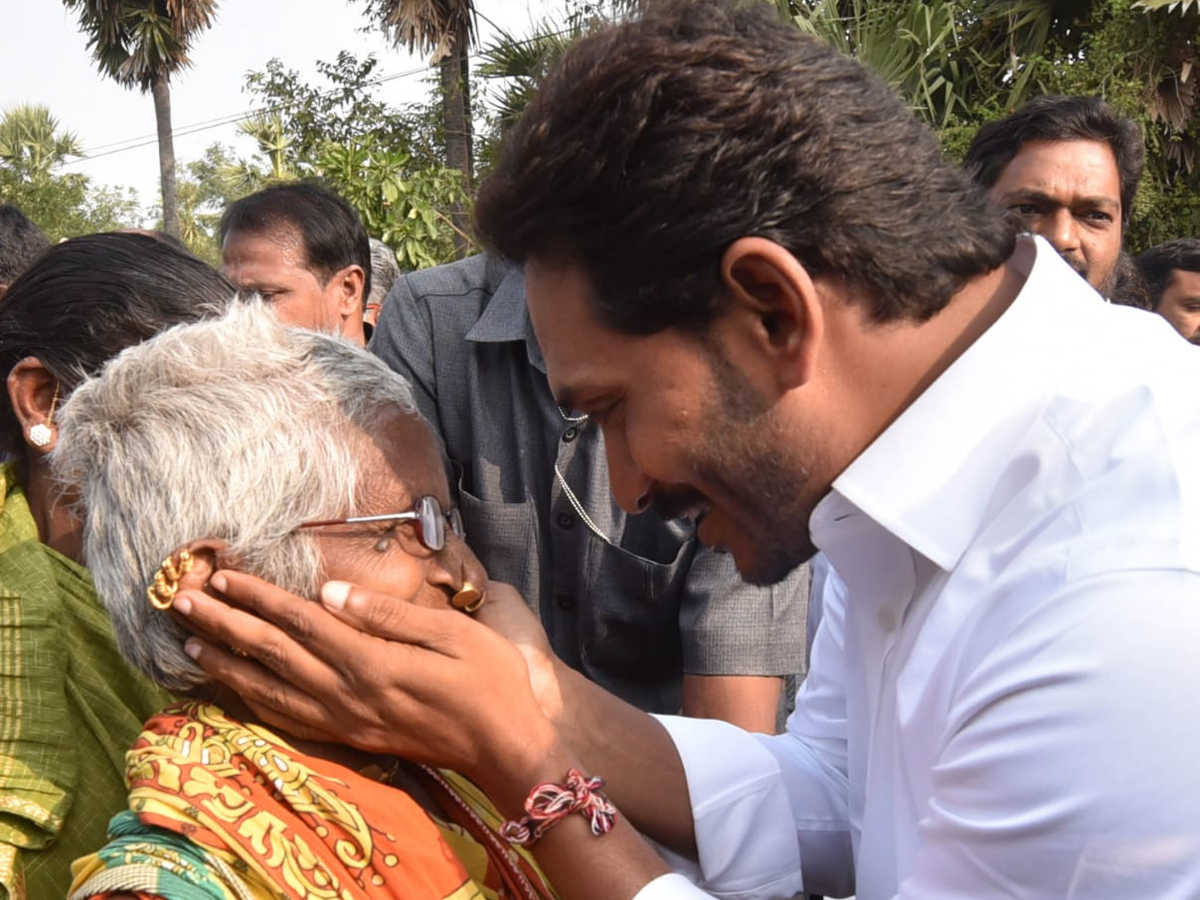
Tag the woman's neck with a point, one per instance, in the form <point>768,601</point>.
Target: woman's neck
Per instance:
<point>56,526</point>
<point>350,757</point>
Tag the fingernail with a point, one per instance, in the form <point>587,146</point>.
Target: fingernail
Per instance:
<point>183,604</point>
<point>218,582</point>
<point>334,594</point>
<point>192,648</point>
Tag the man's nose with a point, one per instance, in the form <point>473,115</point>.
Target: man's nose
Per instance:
<point>1061,230</point>
<point>630,487</point>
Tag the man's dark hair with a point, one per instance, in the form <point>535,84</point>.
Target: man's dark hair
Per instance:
<point>21,242</point>
<point>657,143</point>
<point>1053,117</point>
<point>1158,263</point>
<point>87,299</point>
<point>332,232</point>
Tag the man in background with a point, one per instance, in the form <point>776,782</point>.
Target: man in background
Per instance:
<point>304,250</point>
<point>385,269</point>
<point>1172,275</point>
<point>21,242</point>
<point>1067,168</point>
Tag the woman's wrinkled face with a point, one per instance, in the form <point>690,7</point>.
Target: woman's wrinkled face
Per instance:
<point>402,464</point>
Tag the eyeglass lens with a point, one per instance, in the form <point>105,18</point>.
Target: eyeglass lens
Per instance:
<point>433,525</point>
<point>431,519</point>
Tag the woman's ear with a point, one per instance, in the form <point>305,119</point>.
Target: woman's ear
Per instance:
<point>207,555</point>
<point>34,394</point>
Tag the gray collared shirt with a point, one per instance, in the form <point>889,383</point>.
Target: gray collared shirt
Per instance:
<point>633,602</point>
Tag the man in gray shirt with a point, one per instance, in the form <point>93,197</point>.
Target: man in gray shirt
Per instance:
<point>624,599</point>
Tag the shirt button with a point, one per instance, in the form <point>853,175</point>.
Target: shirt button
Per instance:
<point>570,434</point>
<point>566,520</point>
<point>565,601</point>
<point>886,619</point>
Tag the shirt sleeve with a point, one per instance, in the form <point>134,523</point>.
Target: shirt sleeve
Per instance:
<point>671,887</point>
<point>730,627</point>
<point>404,339</point>
<point>770,812</point>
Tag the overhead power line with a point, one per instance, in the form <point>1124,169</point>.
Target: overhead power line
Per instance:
<point>148,140</point>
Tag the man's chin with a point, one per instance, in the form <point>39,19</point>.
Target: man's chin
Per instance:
<point>764,567</point>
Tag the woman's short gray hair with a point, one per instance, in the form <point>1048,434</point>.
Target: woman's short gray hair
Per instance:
<point>236,428</point>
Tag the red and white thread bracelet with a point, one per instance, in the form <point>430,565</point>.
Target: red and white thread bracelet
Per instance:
<point>550,803</point>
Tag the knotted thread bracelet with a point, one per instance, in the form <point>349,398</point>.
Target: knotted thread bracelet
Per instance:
<point>550,803</point>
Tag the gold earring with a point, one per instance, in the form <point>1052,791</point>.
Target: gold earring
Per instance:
<point>166,580</point>
<point>469,598</point>
<point>40,434</point>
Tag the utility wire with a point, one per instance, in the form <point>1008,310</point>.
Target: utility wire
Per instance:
<point>114,147</point>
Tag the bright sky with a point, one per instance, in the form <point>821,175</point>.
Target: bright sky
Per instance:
<point>44,60</point>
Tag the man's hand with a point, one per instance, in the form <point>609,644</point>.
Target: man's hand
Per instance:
<point>507,613</point>
<point>369,670</point>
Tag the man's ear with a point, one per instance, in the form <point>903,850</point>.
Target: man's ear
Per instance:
<point>31,390</point>
<point>779,304</point>
<point>349,283</point>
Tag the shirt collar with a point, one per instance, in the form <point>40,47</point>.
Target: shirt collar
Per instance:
<point>506,317</point>
<point>930,477</point>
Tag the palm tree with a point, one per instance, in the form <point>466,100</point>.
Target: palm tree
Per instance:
<point>142,43</point>
<point>913,45</point>
<point>445,29</point>
<point>31,144</point>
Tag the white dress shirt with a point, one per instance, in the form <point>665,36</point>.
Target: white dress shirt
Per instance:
<point>1001,699</point>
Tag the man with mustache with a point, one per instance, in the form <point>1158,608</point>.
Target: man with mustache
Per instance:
<point>632,601</point>
<point>1066,168</point>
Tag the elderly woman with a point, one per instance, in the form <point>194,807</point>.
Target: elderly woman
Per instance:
<point>69,704</point>
<point>301,459</point>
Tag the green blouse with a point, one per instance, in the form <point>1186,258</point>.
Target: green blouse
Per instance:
<point>70,706</point>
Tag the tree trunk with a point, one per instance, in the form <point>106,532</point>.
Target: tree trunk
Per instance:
<point>456,122</point>
<point>160,89</point>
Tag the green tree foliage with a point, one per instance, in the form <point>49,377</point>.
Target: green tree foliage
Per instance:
<point>142,43</point>
<point>445,29</point>
<point>31,141</point>
<point>32,151</point>
<point>384,160</point>
<point>509,72</point>
<point>962,63</point>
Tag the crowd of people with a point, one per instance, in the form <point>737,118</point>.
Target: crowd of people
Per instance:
<point>774,508</point>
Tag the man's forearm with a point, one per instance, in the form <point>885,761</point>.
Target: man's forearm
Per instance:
<point>635,756</point>
<point>747,701</point>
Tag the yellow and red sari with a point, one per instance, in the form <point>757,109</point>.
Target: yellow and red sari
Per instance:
<point>221,810</point>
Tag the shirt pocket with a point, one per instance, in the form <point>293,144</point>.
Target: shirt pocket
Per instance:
<point>631,620</point>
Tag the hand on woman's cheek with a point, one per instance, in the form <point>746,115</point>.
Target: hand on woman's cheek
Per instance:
<point>377,564</point>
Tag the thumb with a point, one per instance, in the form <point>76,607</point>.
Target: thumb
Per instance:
<point>388,617</point>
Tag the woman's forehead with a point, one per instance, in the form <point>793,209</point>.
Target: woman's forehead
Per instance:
<point>406,462</point>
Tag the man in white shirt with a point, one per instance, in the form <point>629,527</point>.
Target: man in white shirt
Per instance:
<point>750,266</point>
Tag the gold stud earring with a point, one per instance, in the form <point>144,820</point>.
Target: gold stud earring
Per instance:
<point>40,434</point>
<point>165,586</point>
<point>468,599</point>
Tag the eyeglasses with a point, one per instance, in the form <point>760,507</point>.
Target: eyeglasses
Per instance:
<point>427,512</point>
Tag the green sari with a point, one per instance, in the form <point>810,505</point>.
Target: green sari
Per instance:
<point>70,706</point>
